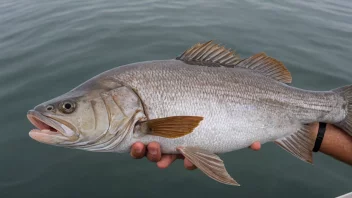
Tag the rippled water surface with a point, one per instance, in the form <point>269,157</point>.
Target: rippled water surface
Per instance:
<point>49,47</point>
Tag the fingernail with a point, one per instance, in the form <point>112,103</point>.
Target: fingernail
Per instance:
<point>153,151</point>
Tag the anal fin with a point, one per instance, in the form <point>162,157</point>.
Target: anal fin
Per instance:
<point>299,144</point>
<point>209,163</point>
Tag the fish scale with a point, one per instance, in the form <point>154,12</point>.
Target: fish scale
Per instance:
<point>196,101</point>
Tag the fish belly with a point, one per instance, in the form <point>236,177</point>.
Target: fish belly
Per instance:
<point>225,131</point>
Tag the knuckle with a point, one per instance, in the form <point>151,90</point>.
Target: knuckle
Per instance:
<point>152,158</point>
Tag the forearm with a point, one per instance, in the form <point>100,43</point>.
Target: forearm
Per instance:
<point>336,143</point>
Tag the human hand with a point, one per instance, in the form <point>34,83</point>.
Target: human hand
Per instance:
<point>153,153</point>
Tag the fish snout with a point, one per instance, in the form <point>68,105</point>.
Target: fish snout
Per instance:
<point>42,108</point>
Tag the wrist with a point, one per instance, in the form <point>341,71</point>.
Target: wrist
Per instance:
<point>320,137</point>
<point>336,142</point>
<point>314,127</point>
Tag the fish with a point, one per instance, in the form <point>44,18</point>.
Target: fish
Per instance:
<point>205,102</point>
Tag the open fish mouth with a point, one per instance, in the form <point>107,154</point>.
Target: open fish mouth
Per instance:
<point>49,130</point>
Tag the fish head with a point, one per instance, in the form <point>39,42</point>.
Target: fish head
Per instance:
<point>88,118</point>
<point>67,118</point>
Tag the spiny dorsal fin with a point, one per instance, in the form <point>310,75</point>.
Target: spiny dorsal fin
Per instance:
<point>173,127</point>
<point>267,66</point>
<point>212,55</point>
<point>299,144</point>
<point>209,54</point>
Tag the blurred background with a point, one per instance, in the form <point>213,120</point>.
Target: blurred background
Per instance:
<point>49,47</point>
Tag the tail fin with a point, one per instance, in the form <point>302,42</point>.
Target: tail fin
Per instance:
<point>346,93</point>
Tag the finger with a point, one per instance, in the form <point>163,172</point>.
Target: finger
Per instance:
<point>256,146</point>
<point>189,165</point>
<point>166,161</point>
<point>138,150</point>
<point>154,153</point>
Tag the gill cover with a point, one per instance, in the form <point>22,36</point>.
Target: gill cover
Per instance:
<point>116,112</point>
<point>123,109</point>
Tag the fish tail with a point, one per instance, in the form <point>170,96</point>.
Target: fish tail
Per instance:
<point>301,143</point>
<point>346,93</point>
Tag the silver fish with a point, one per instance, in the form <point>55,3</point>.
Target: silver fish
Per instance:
<point>206,101</point>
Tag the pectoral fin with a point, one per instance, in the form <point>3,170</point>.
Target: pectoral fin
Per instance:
<point>209,163</point>
<point>173,127</point>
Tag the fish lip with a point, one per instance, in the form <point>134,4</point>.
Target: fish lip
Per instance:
<point>43,122</point>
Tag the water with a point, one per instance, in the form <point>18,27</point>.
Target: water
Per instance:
<point>49,47</point>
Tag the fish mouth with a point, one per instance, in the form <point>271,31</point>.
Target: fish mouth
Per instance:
<point>48,130</point>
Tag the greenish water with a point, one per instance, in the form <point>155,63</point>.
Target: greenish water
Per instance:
<point>49,47</point>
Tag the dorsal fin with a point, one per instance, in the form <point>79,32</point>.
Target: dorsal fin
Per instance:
<point>212,55</point>
<point>267,66</point>
<point>209,54</point>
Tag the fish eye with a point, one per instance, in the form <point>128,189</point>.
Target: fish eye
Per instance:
<point>67,107</point>
<point>49,107</point>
